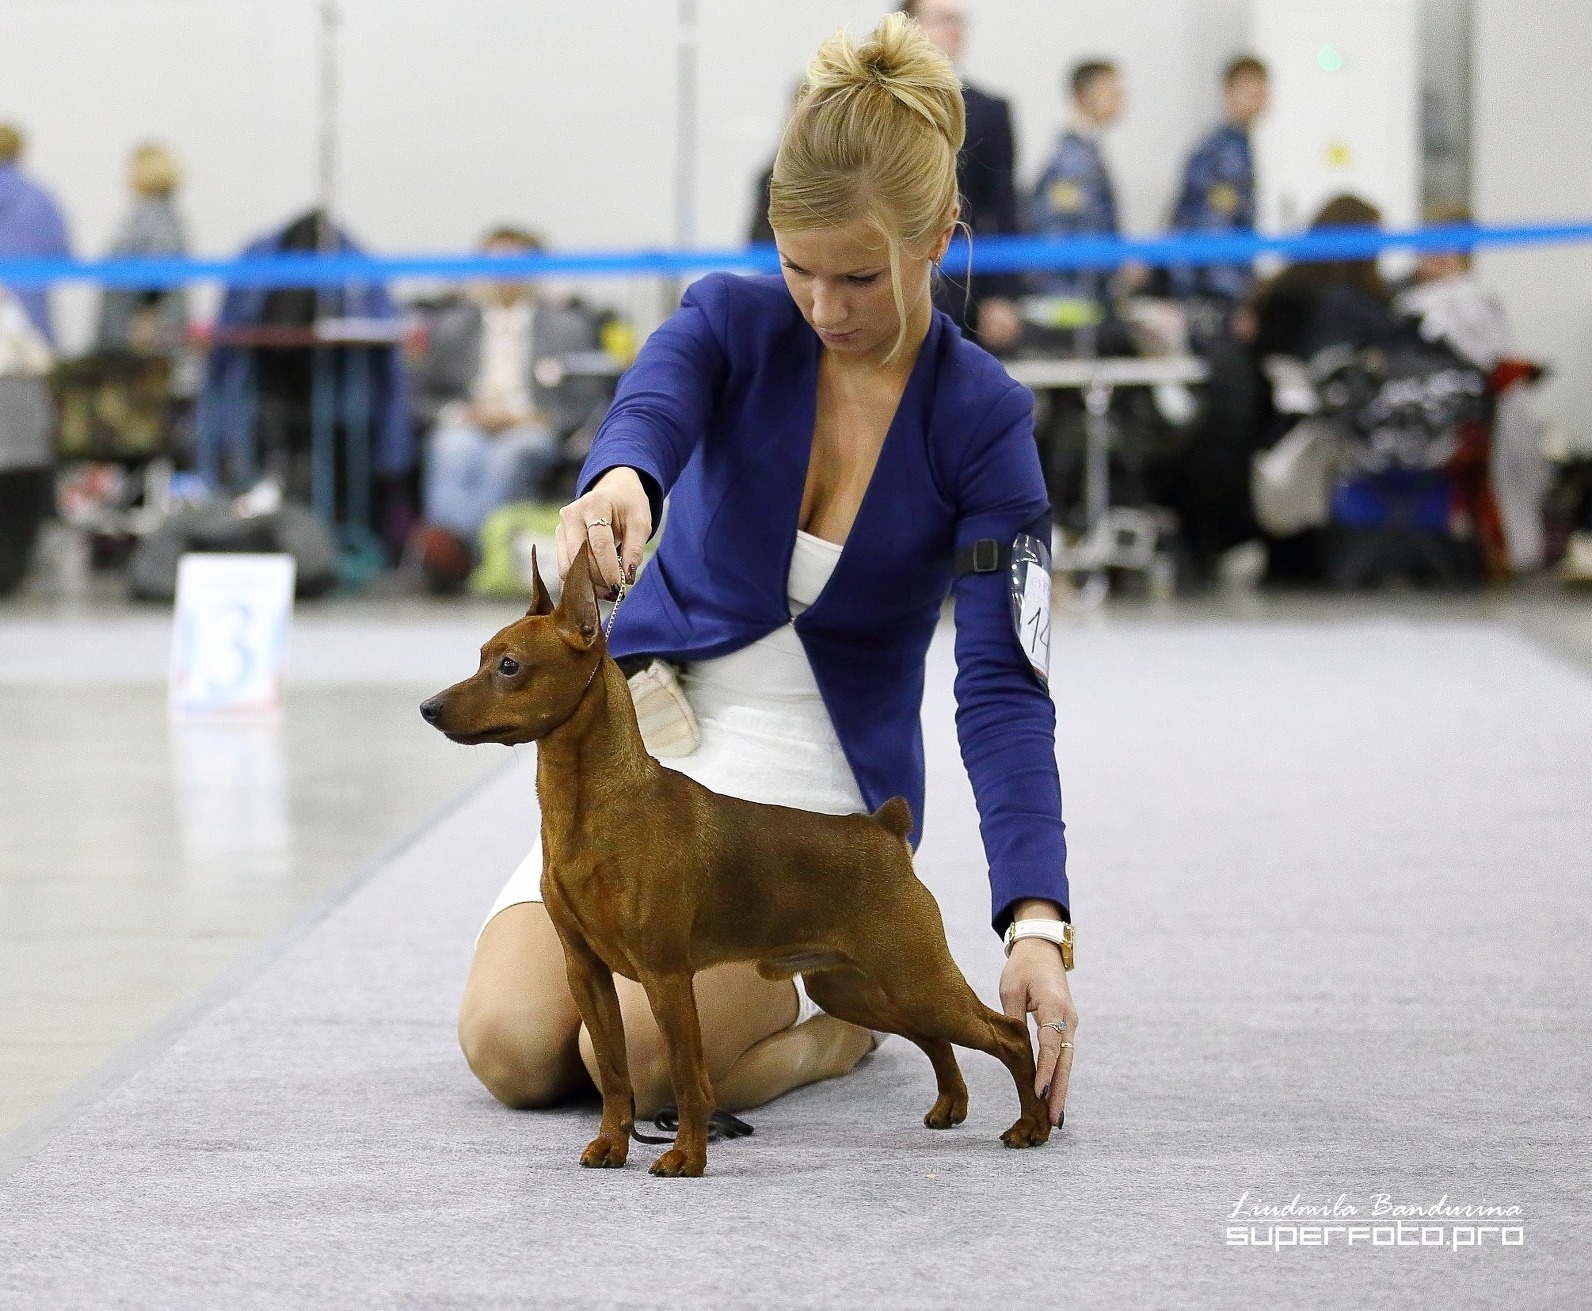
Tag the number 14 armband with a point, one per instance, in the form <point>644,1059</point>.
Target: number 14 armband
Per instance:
<point>1025,561</point>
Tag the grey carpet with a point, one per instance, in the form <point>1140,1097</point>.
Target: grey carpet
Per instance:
<point>1332,893</point>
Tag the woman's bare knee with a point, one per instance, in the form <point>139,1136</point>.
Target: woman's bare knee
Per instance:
<point>518,1022</point>
<point>521,1062</point>
<point>737,1008</point>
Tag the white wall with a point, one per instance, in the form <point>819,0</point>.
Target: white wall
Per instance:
<point>1445,95</point>
<point>1350,128</point>
<point>1533,161</point>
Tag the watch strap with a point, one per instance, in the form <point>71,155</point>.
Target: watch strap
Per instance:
<point>1056,931</point>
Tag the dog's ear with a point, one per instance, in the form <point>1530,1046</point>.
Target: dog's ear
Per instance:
<point>541,602</point>
<point>576,613</point>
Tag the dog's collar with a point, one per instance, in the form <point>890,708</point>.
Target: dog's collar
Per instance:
<point>605,629</point>
<point>590,679</point>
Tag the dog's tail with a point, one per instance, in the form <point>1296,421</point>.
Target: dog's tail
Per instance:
<point>896,816</point>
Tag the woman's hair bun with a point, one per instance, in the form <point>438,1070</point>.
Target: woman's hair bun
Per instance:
<point>899,60</point>
<point>874,137</point>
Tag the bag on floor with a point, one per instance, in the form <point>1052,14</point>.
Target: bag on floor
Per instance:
<point>290,530</point>
<point>505,543</point>
<point>1291,483</point>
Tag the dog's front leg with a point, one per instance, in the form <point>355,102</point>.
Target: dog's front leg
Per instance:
<point>592,983</point>
<point>674,1007</point>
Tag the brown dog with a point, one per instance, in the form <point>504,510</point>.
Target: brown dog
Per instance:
<point>649,874</point>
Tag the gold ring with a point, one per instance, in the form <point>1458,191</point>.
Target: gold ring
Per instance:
<point>1064,1046</point>
<point>597,523</point>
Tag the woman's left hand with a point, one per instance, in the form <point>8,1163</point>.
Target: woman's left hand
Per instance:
<point>1034,983</point>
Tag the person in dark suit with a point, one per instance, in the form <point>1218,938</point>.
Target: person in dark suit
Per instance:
<point>985,173</point>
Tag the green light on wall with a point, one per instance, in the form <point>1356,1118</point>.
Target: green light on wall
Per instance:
<point>1329,58</point>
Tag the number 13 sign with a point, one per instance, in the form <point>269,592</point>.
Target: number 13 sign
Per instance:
<point>229,639</point>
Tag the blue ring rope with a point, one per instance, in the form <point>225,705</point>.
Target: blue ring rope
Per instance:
<point>990,255</point>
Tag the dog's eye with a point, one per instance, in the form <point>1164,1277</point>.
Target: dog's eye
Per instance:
<point>508,666</point>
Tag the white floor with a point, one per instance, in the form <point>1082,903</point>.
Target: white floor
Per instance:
<point>140,857</point>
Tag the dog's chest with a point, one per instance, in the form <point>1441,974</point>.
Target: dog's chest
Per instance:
<point>594,894</point>
<point>592,876</point>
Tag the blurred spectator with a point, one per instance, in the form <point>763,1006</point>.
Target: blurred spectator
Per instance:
<point>26,492</point>
<point>30,224</point>
<point>985,175</point>
<point>256,408</point>
<point>488,389</point>
<point>1307,309</point>
<point>1310,307</point>
<point>1218,192</point>
<point>758,232</point>
<point>1452,307</point>
<point>153,322</point>
<point>1074,196</point>
<point>1260,387</point>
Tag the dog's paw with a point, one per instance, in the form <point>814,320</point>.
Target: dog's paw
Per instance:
<point>1028,1132</point>
<point>675,1164</point>
<point>946,1112</point>
<point>606,1152</point>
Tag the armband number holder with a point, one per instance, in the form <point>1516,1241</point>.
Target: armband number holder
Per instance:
<point>1026,563</point>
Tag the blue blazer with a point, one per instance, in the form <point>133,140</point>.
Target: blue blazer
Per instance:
<point>718,412</point>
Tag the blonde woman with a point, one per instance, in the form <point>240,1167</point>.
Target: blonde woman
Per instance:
<point>830,444</point>
<point>153,322</point>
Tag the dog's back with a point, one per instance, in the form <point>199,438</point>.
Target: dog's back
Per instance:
<point>766,880</point>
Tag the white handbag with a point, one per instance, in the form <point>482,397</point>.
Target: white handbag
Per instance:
<point>669,727</point>
<point>1292,482</point>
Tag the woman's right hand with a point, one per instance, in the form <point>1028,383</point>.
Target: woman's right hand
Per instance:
<point>615,513</point>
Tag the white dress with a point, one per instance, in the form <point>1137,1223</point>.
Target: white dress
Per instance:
<point>766,734</point>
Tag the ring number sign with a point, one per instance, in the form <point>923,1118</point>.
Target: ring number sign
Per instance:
<point>230,635</point>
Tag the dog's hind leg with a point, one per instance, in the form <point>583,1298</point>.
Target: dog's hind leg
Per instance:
<point>592,983</point>
<point>850,995</point>
<point>951,1011</point>
<point>674,1007</point>
<point>950,1107</point>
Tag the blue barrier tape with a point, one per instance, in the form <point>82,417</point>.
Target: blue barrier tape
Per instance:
<point>990,255</point>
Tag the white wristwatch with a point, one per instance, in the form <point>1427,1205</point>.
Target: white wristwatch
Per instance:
<point>1057,931</point>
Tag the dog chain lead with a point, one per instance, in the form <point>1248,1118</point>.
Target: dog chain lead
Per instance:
<point>721,1125</point>
<point>619,598</point>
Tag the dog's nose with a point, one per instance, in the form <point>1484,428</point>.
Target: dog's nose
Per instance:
<point>430,709</point>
